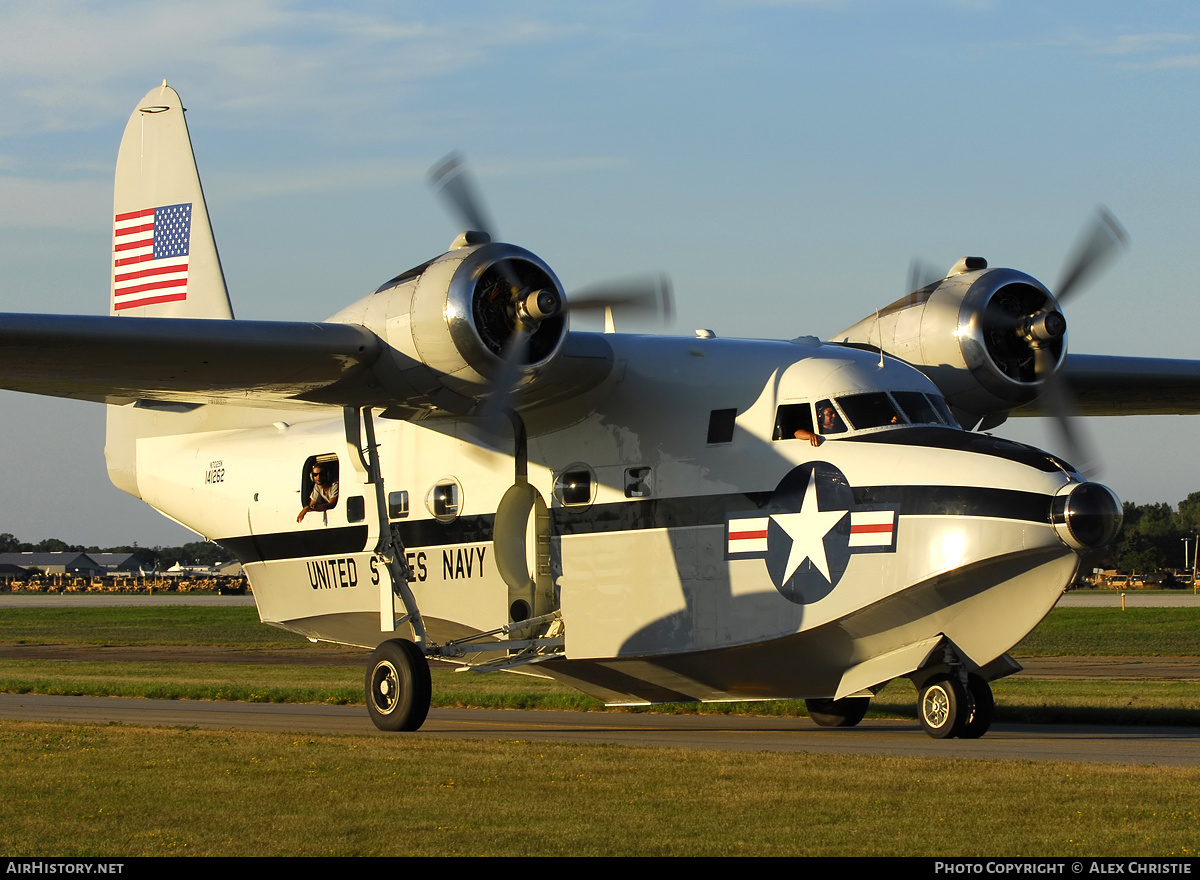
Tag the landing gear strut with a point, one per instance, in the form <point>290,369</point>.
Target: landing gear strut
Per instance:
<point>398,686</point>
<point>947,708</point>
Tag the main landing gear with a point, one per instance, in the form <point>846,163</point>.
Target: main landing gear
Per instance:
<point>398,686</point>
<point>947,707</point>
<point>845,712</point>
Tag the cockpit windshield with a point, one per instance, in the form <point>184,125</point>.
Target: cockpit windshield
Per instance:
<point>872,410</point>
<point>860,412</point>
<point>917,407</point>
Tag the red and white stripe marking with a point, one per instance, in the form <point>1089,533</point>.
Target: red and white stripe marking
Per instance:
<point>748,535</point>
<point>872,528</point>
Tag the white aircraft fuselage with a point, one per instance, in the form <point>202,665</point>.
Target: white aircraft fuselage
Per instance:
<point>746,568</point>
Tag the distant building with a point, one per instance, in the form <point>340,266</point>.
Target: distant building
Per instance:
<point>126,564</point>
<point>9,573</point>
<point>61,562</point>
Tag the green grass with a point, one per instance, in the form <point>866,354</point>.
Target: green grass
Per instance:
<point>1079,632</point>
<point>184,681</point>
<point>76,790</point>
<point>137,625</point>
<point>1065,632</point>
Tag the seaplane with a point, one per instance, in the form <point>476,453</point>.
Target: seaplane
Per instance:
<point>445,471</point>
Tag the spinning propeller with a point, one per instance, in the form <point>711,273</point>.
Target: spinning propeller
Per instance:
<point>528,307</point>
<point>1024,328</point>
<point>1101,242</point>
<point>521,525</point>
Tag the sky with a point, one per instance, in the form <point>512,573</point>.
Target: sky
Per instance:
<point>782,161</point>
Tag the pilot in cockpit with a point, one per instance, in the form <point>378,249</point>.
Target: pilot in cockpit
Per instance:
<point>830,423</point>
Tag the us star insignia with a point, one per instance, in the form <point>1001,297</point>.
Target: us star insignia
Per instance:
<point>810,529</point>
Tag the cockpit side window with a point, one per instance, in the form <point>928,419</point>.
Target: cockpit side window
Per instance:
<point>939,403</point>
<point>872,410</point>
<point>828,419</point>
<point>790,418</point>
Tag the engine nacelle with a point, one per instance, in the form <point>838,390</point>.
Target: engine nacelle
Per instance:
<point>448,321</point>
<point>988,338</point>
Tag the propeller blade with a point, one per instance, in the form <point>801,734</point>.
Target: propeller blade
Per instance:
<point>922,274</point>
<point>1058,403</point>
<point>451,180</point>
<point>1102,240</point>
<point>641,296</point>
<point>504,384</point>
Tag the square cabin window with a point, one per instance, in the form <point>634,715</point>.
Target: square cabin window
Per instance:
<point>398,504</point>
<point>720,425</point>
<point>319,482</point>
<point>790,418</point>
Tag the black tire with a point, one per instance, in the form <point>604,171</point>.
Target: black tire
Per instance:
<point>943,707</point>
<point>983,708</point>
<point>397,686</point>
<point>845,712</point>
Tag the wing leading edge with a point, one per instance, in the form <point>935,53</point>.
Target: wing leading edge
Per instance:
<point>251,363</point>
<point>1107,385</point>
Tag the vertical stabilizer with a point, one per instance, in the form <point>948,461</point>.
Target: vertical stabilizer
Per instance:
<point>164,258</point>
<point>165,262</point>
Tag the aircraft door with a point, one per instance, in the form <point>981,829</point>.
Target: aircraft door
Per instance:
<point>316,525</point>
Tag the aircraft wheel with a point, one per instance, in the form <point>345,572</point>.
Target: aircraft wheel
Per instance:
<point>398,686</point>
<point>943,706</point>
<point>845,712</point>
<point>983,708</point>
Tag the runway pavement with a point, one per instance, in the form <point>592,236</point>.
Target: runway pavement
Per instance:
<point>1164,746</point>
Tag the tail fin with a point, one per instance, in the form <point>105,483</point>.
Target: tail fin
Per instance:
<point>165,262</point>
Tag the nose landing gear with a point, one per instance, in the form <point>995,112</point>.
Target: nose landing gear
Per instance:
<point>949,708</point>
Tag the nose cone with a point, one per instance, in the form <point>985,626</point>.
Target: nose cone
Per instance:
<point>1086,516</point>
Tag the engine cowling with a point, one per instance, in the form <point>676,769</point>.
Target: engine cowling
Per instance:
<point>990,339</point>
<point>448,321</point>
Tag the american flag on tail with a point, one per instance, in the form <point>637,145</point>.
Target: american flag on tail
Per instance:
<point>150,256</point>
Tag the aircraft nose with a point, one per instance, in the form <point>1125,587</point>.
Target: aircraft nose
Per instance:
<point>1086,516</point>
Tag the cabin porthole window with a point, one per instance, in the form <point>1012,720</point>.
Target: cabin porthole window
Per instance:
<point>444,500</point>
<point>575,486</point>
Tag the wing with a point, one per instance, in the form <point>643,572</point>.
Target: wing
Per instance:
<point>255,363</point>
<point>1105,385</point>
